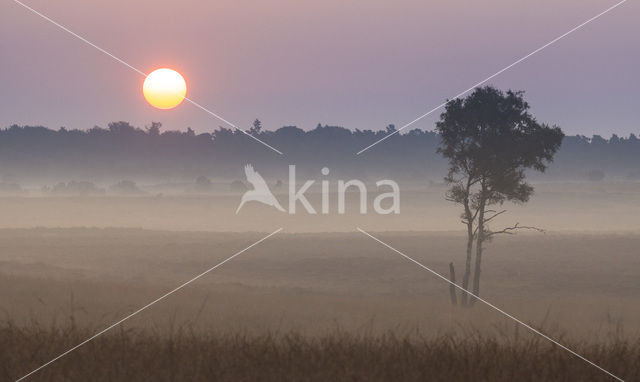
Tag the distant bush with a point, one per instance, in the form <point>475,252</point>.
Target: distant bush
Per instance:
<point>203,184</point>
<point>74,188</point>
<point>238,185</point>
<point>125,187</point>
<point>11,189</point>
<point>633,175</point>
<point>595,175</point>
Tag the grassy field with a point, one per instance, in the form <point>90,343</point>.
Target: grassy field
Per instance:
<point>319,306</point>
<point>585,284</point>
<point>185,355</point>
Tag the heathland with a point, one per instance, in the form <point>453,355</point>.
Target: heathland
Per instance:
<point>317,301</point>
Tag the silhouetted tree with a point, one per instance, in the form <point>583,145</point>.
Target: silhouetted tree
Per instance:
<point>490,139</point>
<point>256,128</point>
<point>154,129</point>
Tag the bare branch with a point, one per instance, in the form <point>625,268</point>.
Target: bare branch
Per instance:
<point>475,214</point>
<point>494,215</point>
<point>512,230</point>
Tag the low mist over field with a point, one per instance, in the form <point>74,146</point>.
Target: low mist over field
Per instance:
<point>556,207</point>
<point>94,225</point>
<point>97,224</point>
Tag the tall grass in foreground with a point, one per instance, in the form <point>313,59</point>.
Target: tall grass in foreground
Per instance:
<point>185,355</point>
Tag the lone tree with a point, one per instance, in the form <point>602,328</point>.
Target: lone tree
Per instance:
<point>490,139</point>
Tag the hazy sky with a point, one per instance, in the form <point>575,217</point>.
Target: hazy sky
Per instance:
<point>358,64</point>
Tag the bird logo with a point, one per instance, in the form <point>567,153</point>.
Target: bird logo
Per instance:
<point>260,192</point>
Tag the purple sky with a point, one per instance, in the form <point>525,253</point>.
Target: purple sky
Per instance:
<point>358,64</point>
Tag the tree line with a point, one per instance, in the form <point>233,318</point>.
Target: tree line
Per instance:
<point>124,150</point>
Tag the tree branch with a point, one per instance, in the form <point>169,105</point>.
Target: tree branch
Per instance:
<point>475,214</point>
<point>512,230</point>
<point>494,215</point>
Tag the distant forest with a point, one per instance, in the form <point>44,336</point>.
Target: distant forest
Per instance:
<point>123,151</point>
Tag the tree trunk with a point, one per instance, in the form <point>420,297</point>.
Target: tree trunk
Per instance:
<point>452,288</point>
<point>467,266</point>
<point>476,273</point>
<point>479,241</point>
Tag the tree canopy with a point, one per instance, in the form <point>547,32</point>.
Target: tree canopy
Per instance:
<point>491,137</point>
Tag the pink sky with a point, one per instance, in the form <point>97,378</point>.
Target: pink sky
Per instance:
<point>359,64</point>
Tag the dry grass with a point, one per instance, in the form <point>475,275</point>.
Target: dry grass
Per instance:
<point>185,355</point>
<point>313,307</point>
<point>583,285</point>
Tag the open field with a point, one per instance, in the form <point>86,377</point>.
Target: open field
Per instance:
<point>313,282</point>
<point>579,288</point>
<point>317,300</point>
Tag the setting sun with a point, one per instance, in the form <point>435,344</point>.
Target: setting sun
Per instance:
<point>164,88</point>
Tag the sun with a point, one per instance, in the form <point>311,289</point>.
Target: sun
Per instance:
<point>164,88</point>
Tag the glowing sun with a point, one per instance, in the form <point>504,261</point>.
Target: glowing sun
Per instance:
<point>164,88</point>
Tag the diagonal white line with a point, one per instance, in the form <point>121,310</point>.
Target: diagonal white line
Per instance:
<point>140,72</point>
<point>536,331</point>
<point>194,103</point>
<point>148,305</point>
<point>492,76</point>
<point>80,37</point>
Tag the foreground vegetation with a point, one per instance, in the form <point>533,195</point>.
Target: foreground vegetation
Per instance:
<point>185,355</point>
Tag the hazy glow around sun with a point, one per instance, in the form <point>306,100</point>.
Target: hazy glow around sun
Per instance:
<point>164,88</point>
